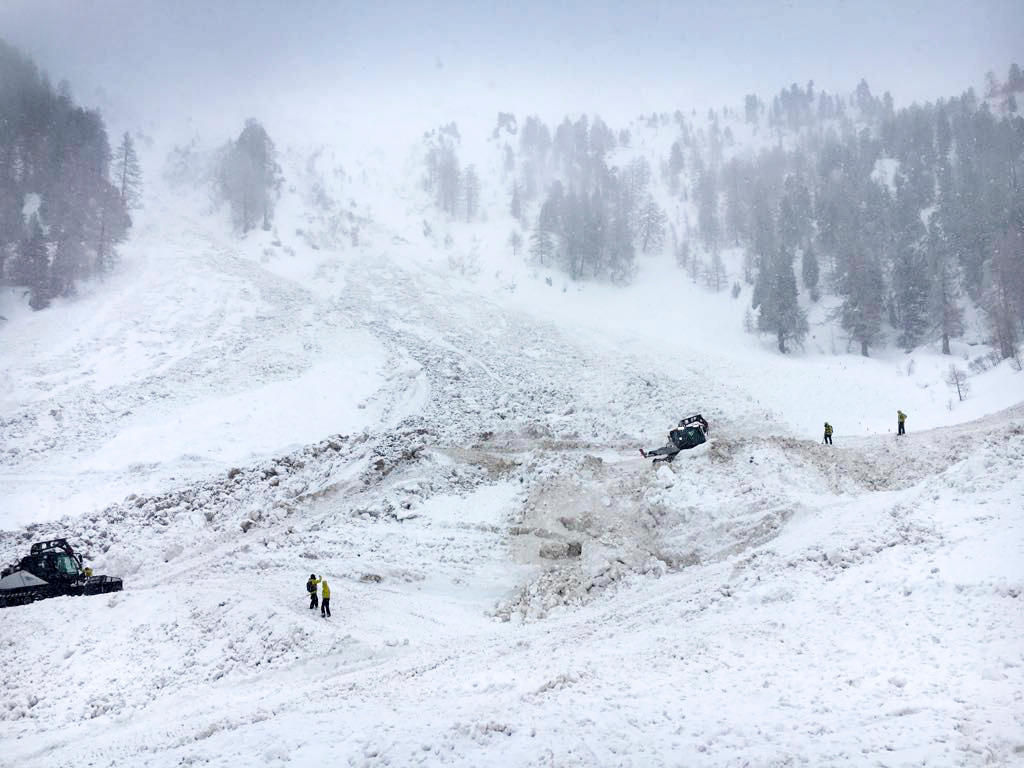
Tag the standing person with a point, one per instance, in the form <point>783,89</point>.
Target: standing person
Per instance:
<point>901,418</point>
<point>311,588</point>
<point>325,602</point>
<point>828,434</point>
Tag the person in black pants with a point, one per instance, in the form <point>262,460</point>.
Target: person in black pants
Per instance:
<point>311,588</point>
<point>325,602</point>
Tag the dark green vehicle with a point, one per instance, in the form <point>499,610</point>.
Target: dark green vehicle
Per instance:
<point>689,433</point>
<point>52,568</point>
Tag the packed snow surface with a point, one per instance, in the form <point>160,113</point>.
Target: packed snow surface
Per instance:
<point>512,584</point>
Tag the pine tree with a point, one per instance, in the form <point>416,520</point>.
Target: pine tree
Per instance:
<point>596,233</point>
<point>471,192</point>
<point>780,311</point>
<point>764,246</point>
<point>572,233</point>
<point>32,267</point>
<point>683,254</point>
<point>789,227</point>
<point>910,274</point>
<point>809,271</point>
<point>620,253</point>
<point>1003,296</point>
<point>1015,80</point>
<point>751,108</point>
<point>675,167</point>
<point>109,229</point>
<point>249,175</point>
<point>542,245</point>
<point>127,172</point>
<point>55,165</point>
<point>67,266</point>
<point>946,315</point>
<point>736,206</point>
<point>515,240</point>
<point>910,283</point>
<point>957,377</point>
<point>707,208</point>
<point>516,205</point>
<point>863,286</point>
<point>651,229</point>
<point>716,271</point>
<point>449,179</point>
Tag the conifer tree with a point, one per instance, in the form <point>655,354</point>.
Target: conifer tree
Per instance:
<point>810,272</point>
<point>516,205</point>
<point>249,177</point>
<point>651,229</point>
<point>675,167</point>
<point>863,287</point>
<point>32,267</point>
<point>471,192</point>
<point>54,166</point>
<point>542,245</point>
<point>780,311</point>
<point>707,208</point>
<point>716,271</point>
<point>515,240</point>
<point>621,255</point>
<point>944,310</point>
<point>127,172</point>
<point>1003,296</point>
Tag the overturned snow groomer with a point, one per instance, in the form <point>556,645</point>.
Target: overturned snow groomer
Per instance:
<point>689,433</point>
<point>52,568</point>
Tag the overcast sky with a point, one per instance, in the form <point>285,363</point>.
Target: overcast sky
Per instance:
<point>422,60</point>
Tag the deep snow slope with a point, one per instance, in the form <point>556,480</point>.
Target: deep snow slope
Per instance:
<point>231,415</point>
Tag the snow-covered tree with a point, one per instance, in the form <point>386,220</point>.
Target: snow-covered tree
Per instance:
<point>127,172</point>
<point>957,377</point>
<point>651,227</point>
<point>863,287</point>
<point>776,290</point>
<point>443,179</point>
<point>810,272</point>
<point>1003,296</point>
<point>675,167</point>
<point>542,246</point>
<point>471,192</point>
<point>249,177</point>
<point>515,240</point>
<point>32,266</point>
<point>516,205</point>
<point>707,207</point>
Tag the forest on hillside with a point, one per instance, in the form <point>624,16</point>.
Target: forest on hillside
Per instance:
<point>905,215</point>
<point>64,194</point>
<point>902,217</point>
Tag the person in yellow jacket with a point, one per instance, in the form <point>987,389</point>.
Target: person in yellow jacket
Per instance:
<point>325,598</point>
<point>828,434</point>
<point>901,419</point>
<point>311,588</point>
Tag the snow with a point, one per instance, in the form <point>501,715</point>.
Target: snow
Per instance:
<point>885,171</point>
<point>30,207</point>
<point>226,415</point>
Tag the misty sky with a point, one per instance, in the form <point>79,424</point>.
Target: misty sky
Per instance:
<point>418,61</point>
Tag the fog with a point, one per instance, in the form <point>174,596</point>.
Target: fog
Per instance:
<point>442,370</point>
<point>414,64</point>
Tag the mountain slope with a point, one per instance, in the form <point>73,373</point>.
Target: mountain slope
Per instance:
<point>420,435</point>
